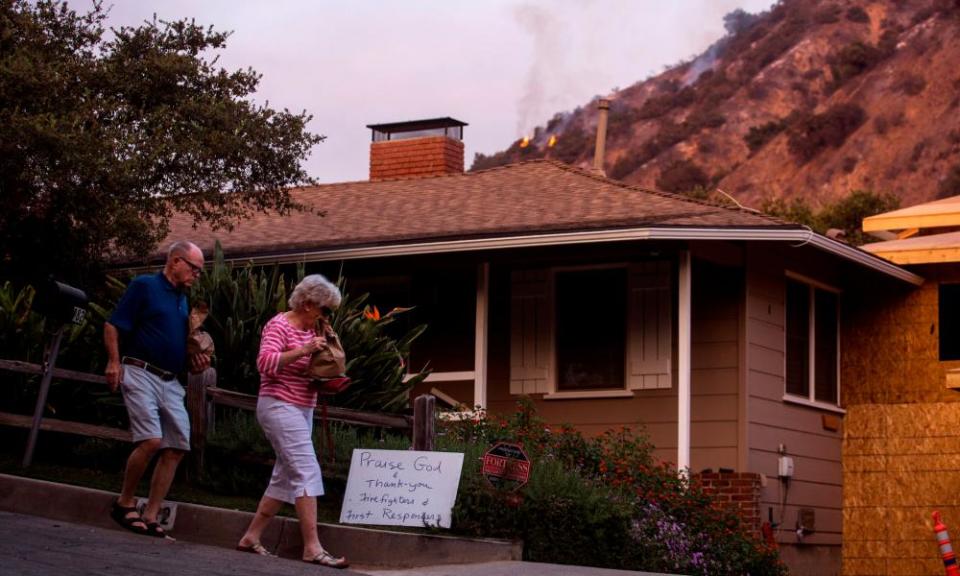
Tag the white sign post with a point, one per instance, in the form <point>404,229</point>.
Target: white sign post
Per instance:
<point>401,487</point>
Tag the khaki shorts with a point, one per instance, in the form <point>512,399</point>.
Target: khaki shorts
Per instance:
<point>156,408</point>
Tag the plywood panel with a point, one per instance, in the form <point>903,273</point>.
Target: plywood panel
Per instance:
<point>900,462</point>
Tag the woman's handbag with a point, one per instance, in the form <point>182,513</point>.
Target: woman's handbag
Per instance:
<point>330,361</point>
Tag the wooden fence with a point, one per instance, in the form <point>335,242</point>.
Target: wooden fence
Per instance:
<point>203,396</point>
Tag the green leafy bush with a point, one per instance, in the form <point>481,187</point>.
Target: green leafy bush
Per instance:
<point>602,501</point>
<point>846,214</point>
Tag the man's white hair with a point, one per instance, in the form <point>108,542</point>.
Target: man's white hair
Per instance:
<point>180,248</point>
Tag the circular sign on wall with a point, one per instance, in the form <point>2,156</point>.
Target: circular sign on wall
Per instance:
<point>506,466</point>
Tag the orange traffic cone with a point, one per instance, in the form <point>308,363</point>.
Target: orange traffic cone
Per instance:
<point>946,551</point>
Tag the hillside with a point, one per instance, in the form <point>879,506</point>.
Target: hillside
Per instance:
<point>808,99</point>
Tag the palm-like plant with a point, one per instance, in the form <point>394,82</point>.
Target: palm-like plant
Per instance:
<point>243,298</point>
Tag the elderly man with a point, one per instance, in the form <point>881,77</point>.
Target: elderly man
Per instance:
<point>150,327</point>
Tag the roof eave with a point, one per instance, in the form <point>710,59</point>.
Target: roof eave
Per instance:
<point>800,235</point>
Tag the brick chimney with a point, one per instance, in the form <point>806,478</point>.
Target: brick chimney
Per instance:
<point>416,149</point>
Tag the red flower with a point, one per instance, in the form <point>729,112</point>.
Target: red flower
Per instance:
<point>371,314</point>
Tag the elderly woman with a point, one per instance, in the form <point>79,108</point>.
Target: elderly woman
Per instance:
<point>285,411</point>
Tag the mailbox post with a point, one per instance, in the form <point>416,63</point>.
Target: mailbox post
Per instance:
<point>61,304</point>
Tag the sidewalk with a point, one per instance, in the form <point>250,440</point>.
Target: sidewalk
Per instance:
<point>55,528</point>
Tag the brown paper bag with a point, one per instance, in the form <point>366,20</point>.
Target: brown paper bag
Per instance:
<point>330,361</point>
<point>199,341</point>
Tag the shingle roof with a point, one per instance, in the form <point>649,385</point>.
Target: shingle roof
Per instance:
<point>533,197</point>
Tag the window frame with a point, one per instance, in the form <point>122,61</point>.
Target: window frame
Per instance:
<point>811,398</point>
<point>953,332</point>
<point>553,381</point>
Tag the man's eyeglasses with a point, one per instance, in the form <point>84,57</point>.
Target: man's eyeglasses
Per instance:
<point>196,270</point>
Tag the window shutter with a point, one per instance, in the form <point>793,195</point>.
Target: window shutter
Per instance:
<point>651,333</point>
<point>530,321</point>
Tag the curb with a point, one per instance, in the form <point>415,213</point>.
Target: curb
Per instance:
<point>223,528</point>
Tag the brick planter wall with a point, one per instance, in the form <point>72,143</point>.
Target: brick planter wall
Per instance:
<point>737,490</point>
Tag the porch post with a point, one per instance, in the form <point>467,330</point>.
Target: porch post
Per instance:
<point>683,361</point>
<point>480,336</point>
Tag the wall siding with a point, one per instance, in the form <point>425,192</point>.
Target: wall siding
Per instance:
<point>717,293</point>
<point>771,421</point>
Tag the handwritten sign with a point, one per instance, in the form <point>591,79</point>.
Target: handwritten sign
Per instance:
<point>401,487</point>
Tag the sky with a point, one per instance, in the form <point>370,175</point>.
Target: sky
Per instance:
<point>501,66</point>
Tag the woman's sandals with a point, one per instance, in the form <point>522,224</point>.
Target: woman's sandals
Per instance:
<point>324,558</point>
<point>255,548</point>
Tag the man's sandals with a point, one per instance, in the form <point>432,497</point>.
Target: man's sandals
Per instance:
<point>129,519</point>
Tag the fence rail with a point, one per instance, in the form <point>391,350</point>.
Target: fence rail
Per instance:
<point>357,417</point>
<point>203,395</point>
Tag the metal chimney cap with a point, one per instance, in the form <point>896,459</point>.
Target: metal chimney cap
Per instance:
<point>450,127</point>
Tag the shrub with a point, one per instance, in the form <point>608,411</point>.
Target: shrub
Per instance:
<point>828,15</point>
<point>24,334</point>
<point>243,298</point>
<point>603,501</point>
<point>910,83</point>
<point>858,14</point>
<point>682,176</point>
<point>571,144</point>
<point>738,21</point>
<point>810,135</point>
<point>849,164</point>
<point>950,185</point>
<point>626,164</point>
<point>758,136</point>
<point>852,60</point>
<point>846,214</point>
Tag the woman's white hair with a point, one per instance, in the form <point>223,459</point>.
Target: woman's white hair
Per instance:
<point>317,290</point>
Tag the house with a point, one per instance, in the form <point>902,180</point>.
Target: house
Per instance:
<point>901,375</point>
<point>714,328</point>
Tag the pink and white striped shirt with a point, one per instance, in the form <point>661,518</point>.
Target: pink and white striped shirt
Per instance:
<point>290,383</point>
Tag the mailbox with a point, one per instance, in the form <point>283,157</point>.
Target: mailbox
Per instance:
<point>61,303</point>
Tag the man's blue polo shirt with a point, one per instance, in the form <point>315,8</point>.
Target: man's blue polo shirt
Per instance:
<point>152,320</point>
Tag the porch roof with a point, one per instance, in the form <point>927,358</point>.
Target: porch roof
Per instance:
<point>540,202</point>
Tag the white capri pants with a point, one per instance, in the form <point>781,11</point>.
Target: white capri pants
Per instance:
<point>289,429</point>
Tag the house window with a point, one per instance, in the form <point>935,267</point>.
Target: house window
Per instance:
<point>949,321</point>
<point>591,329</point>
<point>812,342</point>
